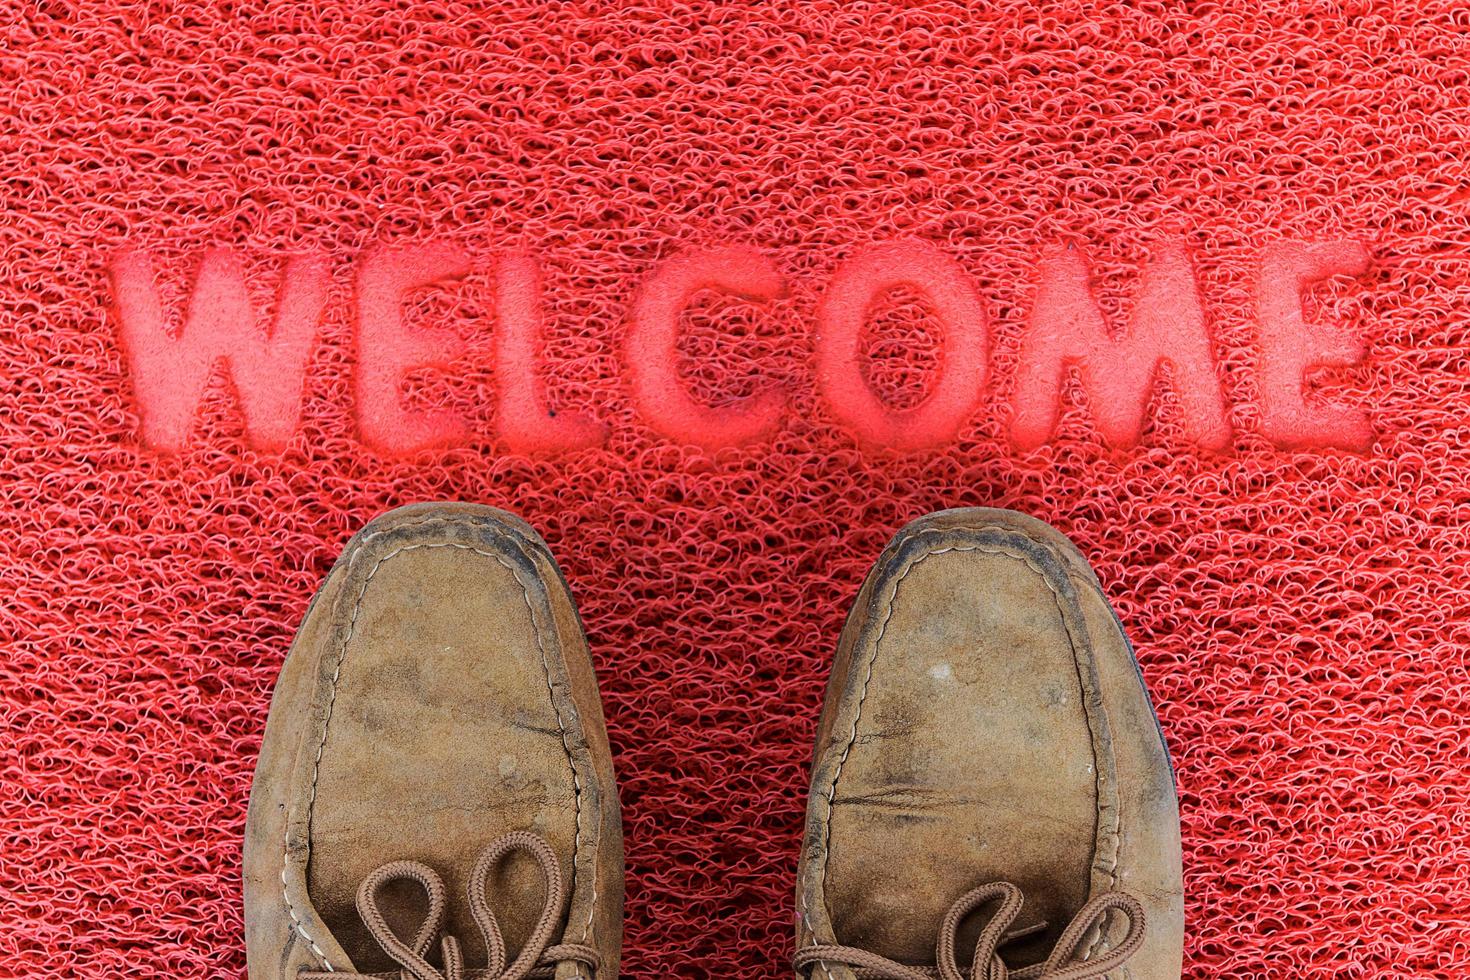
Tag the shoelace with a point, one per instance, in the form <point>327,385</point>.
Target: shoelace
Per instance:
<point>536,959</point>
<point>987,964</point>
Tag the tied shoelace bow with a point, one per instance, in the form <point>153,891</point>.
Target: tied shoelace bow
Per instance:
<point>987,964</point>
<point>536,959</point>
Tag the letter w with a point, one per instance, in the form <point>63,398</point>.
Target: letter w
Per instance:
<point>266,364</point>
<point>1118,373</point>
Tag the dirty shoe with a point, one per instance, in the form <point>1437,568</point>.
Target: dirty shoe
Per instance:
<point>435,796</point>
<point>991,792</point>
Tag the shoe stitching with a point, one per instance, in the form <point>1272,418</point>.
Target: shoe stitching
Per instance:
<point>872,661</point>
<point>336,675</point>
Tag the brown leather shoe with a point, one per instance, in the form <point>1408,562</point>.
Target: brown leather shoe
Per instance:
<point>435,768</point>
<point>989,773</point>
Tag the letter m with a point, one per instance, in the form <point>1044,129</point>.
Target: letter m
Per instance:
<point>266,362</point>
<point>1118,372</point>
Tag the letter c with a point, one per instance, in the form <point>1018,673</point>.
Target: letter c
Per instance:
<point>652,347</point>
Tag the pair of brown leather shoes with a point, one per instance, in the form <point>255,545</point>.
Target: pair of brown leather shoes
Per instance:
<point>990,791</point>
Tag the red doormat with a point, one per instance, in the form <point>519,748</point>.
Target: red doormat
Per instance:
<point>718,296</point>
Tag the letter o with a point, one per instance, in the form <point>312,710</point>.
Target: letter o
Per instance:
<point>960,385</point>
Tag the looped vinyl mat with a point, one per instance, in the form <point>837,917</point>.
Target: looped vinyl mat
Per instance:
<point>718,296</point>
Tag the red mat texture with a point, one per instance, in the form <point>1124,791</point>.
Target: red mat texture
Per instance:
<point>719,296</point>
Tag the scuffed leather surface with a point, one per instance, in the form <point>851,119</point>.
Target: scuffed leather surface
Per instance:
<point>438,694</point>
<point>986,721</point>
